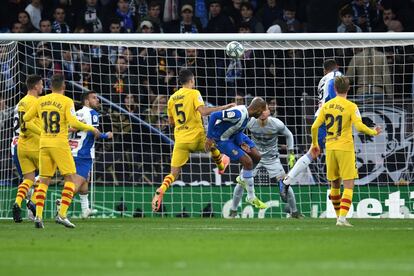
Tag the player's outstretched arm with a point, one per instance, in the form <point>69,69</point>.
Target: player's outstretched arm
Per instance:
<point>361,127</point>
<point>75,123</point>
<point>106,136</point>
<point>206,110</point>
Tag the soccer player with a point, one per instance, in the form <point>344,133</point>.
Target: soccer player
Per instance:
<point>28,145</point>
<point>83,148</point>
<point>225,129</point>
<point>326,92</point>
<point>185,111</point>
<point>265,132</point>
<point>339,114</point>
<point>56,112</point>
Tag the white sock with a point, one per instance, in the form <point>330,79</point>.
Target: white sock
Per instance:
<point>237,196</point>
<point>250,187</point>
<point>291,200</point>
<point>299,167</point>
<point>84,202</point>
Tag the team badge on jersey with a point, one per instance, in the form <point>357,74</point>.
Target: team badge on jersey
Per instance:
<point>235,152</point>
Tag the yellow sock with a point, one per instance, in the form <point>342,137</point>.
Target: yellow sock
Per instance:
<point>346,202</point>
<point>335,197</point>
<point>33,198</point>
<point>67,195</point>
<point>22,191</point>
<point>167,182</point>
<point>216,155</point>
<point>40,199</point>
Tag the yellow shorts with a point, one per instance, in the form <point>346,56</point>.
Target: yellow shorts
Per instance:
<point>29,160</point>
<point>340,164</point>
<point>181,152</point>
<point>50,158</point>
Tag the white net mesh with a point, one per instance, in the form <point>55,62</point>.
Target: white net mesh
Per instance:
<point>136,78</point>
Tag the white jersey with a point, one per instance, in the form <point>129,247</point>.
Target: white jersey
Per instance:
<point>326,90</point>
<point>266,137</point>
<point>83,143</point>
<point>16,130</point>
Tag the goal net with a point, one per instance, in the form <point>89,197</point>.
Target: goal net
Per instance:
<point>135,75</point>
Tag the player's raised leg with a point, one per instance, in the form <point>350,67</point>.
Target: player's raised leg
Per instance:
<point>221,160</point>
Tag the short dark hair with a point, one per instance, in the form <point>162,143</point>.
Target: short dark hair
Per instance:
<point>245,25</point>
<point>85,95</point>
<point>185,76</point>
<point>345,10</point>
<point>154,4</point>
<point>57,81</point>
<point>32,80</point>
<point>247,5</point>
<point>329,64</point>
<point>341,84</point>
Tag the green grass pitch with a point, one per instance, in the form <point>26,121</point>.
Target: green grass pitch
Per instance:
<point>171,246</point>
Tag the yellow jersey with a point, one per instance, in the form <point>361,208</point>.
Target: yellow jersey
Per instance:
<point>29,131</point>
<point>182,107</point>
<point>56,113</point>
<point>338,115</point>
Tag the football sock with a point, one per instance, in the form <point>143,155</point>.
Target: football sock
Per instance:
<point>84,199</point>
<point>248,177</point>
<point>237,196</point>
<point>291,200</point>
<point>33,198</point>
<point>22,191</point>
<point>335,197</point>
<point>216,155</point>
<point>346,202</point>
<point>67,195</point>
<point>167,182</point>
<point>299,167</point>
<point>40,199</point>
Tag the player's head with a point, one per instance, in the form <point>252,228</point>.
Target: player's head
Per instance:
<point>341,85</point>
<point>91,100</point>
<point>329,65</point>
<point>265,114</point>
<point>186,78</point>
<point>256,107</point>
<point>57,83</point>
<point>34,84</point>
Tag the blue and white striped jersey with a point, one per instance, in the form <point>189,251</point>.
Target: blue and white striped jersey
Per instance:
<point>223,125</point>
<point>83,143</point>
<point>326,90</point>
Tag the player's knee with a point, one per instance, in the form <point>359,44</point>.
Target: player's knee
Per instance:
<point>246,162</point>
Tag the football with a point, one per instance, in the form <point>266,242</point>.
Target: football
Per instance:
<point>234,50</point>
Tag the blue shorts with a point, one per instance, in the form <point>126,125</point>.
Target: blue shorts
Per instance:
<point>83,167</point>
<point>16,162</point>
<point>322,136</point>
<point>232,148</point>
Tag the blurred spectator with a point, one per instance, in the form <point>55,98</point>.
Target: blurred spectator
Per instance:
<point>157,110</point>
<point>187,23</point>
<point>45,26</point>
<point>46,67</point>
<point>60,25</point>
<point>120,81</point>
<point>246,11</point>
<point>130,104</point>
<point>154,11</point>
<point>91,14</point>
<point>345,14</point>
<point>17,27</point>
<point>127,19</point>
<point>369,72</point>
<point>139,8</point>
<point>34,9</point>
<point>24,18</point>
<point>219,22</point>
<point>273,107</point>
<point>395,26</point>
<point>84,75</point>
<point>115,25</point>
<point>4,113</point>
<point>289,18</point>
<point>270,12</point>
<point>233,11</point>
<point>239,99</point>
<point>170,11</point>
<point>146,27</point>
<point>244,28</point>
<point>274,29</point>
<point>201,12</point>
<point>364,14</point>
<point>129,54</point>
<point>68,64</point>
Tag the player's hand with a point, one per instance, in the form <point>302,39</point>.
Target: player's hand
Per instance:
<point>71,129</point>
<point>245,147</point>
<point>315,151</point>
<point>291,159</point>
<point>96,133</point>
<point>209,144</point>
<point>109,134</point>
<point>378,129</point>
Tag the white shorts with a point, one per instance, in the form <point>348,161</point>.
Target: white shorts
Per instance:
<point>273,166</point>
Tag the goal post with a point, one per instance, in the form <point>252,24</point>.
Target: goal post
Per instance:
<point>135,73</point>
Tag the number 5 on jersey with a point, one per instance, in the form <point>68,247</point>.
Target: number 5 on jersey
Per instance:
<point>180,113</point>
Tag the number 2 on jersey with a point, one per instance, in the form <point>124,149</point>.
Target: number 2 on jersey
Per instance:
<point>180,113</point>
<point>330,121</point>
<point>51,121</point>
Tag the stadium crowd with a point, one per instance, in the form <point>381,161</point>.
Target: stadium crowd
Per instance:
<point>140,79</point>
